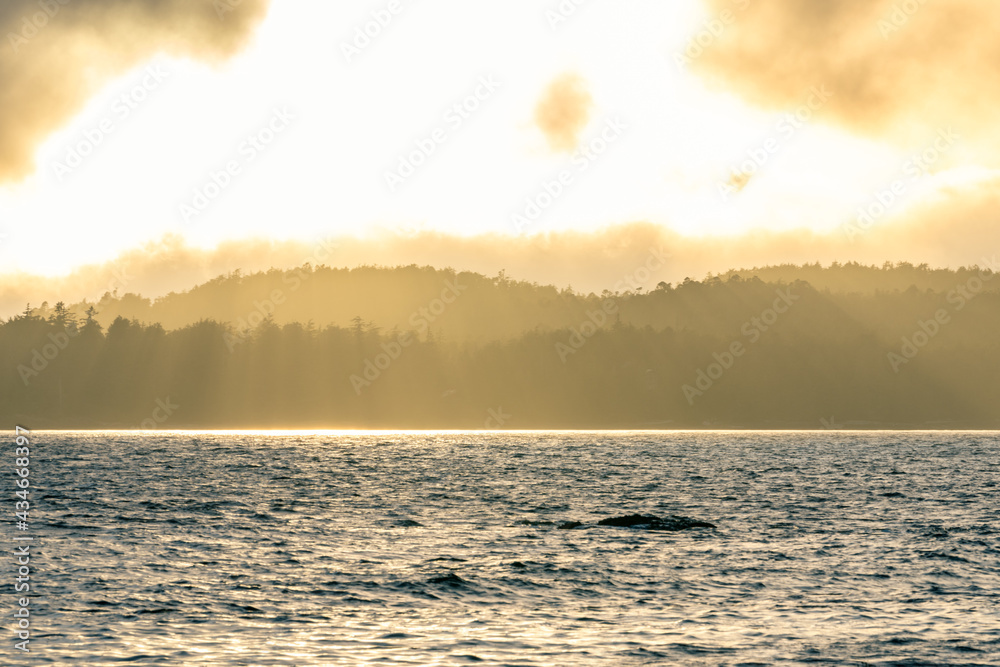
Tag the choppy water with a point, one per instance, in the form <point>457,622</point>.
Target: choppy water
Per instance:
<point>411,549</point>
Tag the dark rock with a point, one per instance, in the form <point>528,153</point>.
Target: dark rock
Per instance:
<point>641,521</point>
<point>628,521</point>
<point>648,522</point>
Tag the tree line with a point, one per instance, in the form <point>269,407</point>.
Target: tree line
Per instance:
<point>733,351</point>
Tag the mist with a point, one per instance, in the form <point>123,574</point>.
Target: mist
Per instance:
<point>956,231</point>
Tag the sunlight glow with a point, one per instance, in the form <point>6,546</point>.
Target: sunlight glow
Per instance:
<point>353,122</point>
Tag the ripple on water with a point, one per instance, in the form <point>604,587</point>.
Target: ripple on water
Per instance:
<point>844,548</point>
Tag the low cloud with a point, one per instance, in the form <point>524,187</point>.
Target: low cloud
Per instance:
<point>958,228</point>
<point>55,55</point>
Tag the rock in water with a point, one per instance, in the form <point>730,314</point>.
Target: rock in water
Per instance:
<point>648,522</point>
<point>629,521</point>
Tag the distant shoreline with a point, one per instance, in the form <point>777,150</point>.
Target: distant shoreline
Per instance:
<point>404,430</point>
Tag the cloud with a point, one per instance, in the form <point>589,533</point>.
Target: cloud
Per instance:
<point>958,228</point>
<point>564,111</point>
<point>897,69</point>
<point>52,61</point>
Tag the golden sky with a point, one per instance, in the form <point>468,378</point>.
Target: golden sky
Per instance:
<point>484,135</point>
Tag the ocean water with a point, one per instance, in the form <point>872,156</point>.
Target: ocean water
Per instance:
<point>840,548</point>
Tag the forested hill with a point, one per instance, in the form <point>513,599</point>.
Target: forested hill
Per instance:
<point>480,308</point>
<point>863,279</point>
<point>417,347</point>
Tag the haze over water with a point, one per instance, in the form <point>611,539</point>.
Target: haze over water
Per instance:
<point>444,548</point>
<point>725,214</point>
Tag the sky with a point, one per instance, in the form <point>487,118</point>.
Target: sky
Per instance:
<point>492,135</point>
